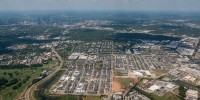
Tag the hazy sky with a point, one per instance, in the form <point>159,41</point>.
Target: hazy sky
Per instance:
<point>160,5</point>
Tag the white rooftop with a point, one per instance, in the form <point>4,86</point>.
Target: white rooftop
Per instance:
<point>154,87</point>
<point>170,85</point>
<point>192,93</point>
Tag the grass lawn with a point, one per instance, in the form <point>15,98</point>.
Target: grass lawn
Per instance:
<point>92,98</point>
<point>125,82</point>
<point>21,74</point>
<point>167,96</point>
<point>152,96</point>
<point>50,64</point>
<point>117,73</point>
<point>42,96</point>
<point>159,72</point>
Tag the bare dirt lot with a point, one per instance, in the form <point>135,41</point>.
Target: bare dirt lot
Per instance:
<point>117,86</point>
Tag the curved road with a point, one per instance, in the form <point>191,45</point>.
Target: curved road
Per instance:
<point>29,92</point>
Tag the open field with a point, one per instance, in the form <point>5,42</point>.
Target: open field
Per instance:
<point>121,84</point>
<point>167,96</point>
<point>117,73</point>
<point>116,85</point>
<point>8,92</point>
<point>159,72</point>
<point>24,76</point>
<point>125,82</point>
<point>92,98</point>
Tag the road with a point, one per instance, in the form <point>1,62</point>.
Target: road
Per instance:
<point>111,75</point>
<point>30,91</point>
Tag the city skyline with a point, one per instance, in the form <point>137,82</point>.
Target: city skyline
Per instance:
<point>130,5</point>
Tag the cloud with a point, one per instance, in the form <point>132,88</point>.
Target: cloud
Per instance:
<point>161,5</point>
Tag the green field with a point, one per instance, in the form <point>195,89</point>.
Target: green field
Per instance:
<point>125,82</point>
<point>118,73</point>
<point>92,98</point>
<point>152,96</point>
<point>167,96</point>
<point>24,77</point>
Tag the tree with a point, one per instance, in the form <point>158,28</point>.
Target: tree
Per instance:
<point>11,75</point>
<point>3,81</point>
<point>4,73</point>
<point>182,91</point>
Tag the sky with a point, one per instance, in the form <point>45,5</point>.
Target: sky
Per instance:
<point>131,5</point>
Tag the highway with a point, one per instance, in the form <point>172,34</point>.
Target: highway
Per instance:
<point>30,91</point>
